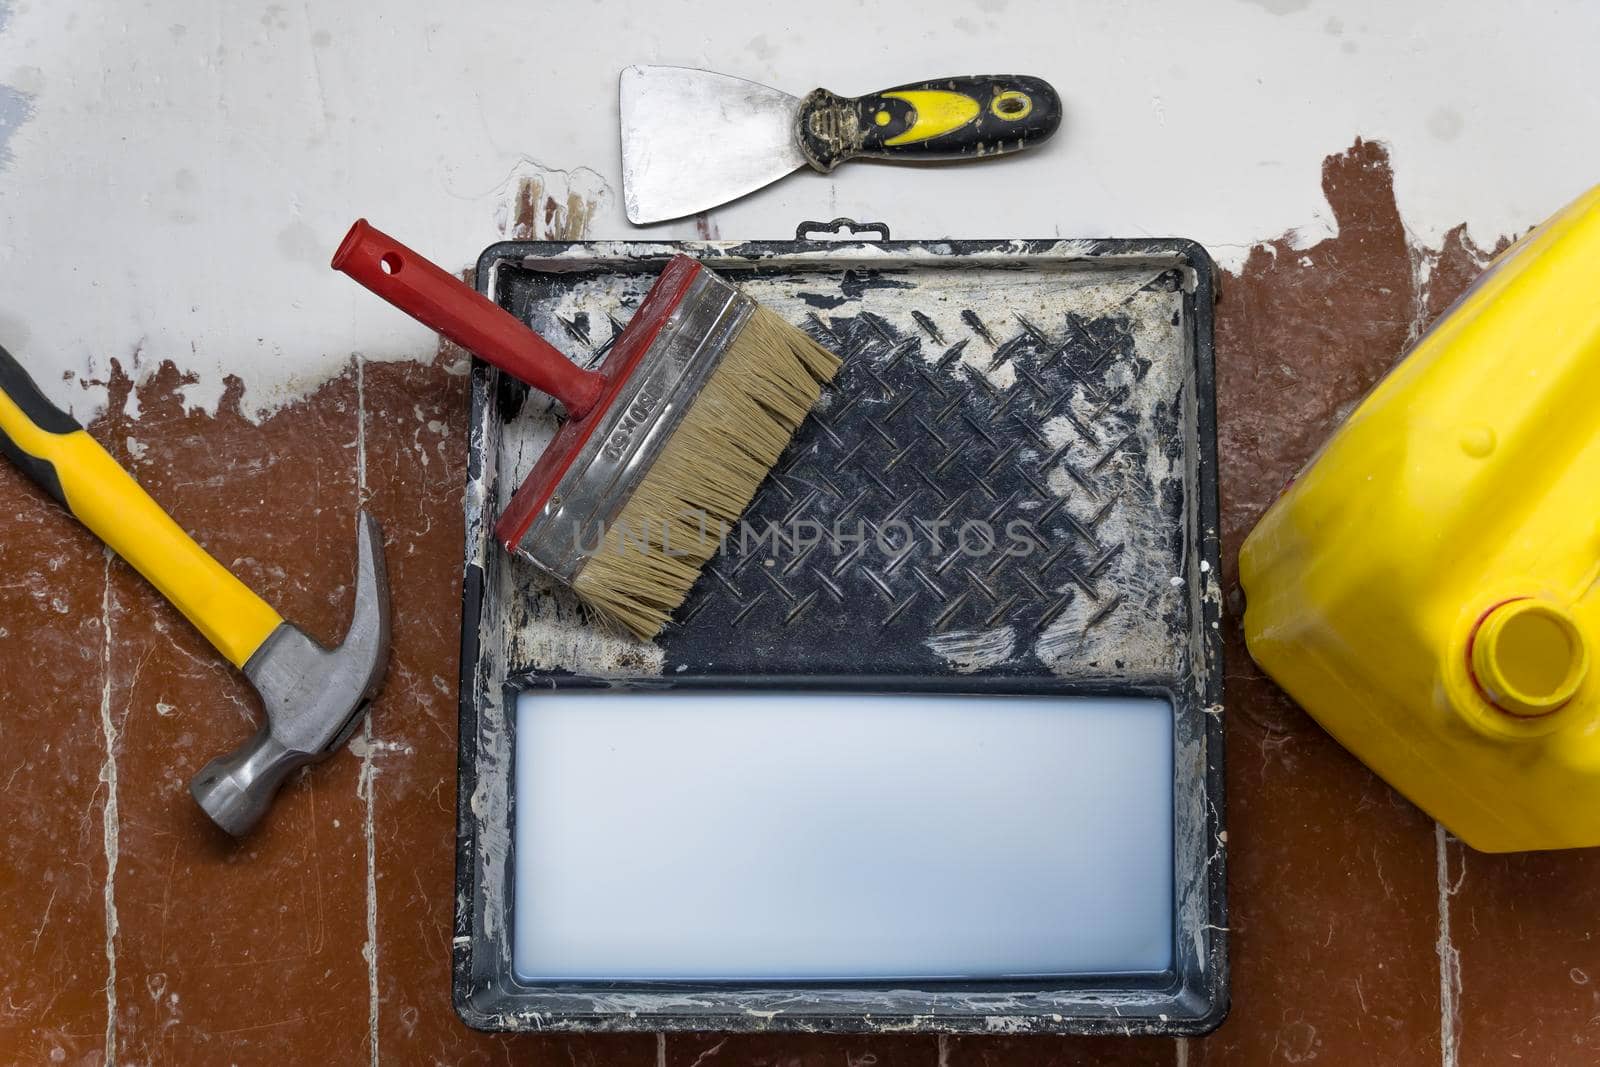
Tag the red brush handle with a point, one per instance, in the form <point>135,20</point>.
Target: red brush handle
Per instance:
<point>445,303</point>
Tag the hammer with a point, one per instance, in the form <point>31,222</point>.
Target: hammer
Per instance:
<point>314,696</point>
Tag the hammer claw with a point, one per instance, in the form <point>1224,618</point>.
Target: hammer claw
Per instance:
<point>314,698</point>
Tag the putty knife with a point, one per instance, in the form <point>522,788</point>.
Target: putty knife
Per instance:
<point>692,139</point>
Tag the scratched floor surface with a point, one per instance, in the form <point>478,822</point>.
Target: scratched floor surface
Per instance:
<point>130,932</point>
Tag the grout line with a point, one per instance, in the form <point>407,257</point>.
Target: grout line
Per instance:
<point>110,822</point>
<point>1180,1056</point>
<point>944,1050</point>
<point>1449,957</point>
<point>364,783</point>
<point>370,949</point>
<point>361,428</point>
<point>661,1050</point>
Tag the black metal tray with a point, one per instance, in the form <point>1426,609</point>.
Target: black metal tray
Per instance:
<point>1069,382</point>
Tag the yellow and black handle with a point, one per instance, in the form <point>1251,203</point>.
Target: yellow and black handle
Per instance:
<point>56,452</point>
<point>952,118</point>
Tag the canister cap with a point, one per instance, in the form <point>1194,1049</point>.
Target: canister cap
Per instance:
<point>1528,656</point>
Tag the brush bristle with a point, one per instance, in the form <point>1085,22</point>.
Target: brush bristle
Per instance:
<point>706,474</point>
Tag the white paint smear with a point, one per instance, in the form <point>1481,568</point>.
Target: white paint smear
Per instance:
<point>179,179</point>
<point>970,651</point>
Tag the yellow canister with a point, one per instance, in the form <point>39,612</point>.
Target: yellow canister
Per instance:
<point>1428,588</point>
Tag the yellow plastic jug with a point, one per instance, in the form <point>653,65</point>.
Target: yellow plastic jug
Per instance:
<point>1428,588</point>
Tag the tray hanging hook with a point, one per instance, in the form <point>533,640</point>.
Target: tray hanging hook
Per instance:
<point>805,230</point>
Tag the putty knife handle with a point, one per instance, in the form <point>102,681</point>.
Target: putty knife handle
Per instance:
<point>971,117</point>
<point>446,304</point>
<point>57,453</point>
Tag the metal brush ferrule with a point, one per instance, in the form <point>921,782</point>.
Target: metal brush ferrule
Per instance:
<point>637,423</point>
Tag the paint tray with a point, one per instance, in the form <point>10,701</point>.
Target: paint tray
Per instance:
<point>1064,384</point>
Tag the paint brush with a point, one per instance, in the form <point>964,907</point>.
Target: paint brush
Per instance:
<point>665,443</point>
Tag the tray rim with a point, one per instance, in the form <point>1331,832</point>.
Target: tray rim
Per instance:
<point>1190,1011</point>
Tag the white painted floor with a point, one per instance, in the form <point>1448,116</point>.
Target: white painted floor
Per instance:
<point>174,175</point>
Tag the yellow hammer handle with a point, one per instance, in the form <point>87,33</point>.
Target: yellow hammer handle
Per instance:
<point>54,450</point>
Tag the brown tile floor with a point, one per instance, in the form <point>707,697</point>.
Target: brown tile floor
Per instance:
<point>132,932</point>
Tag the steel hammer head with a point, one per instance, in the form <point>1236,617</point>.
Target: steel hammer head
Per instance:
<point>314,698</point>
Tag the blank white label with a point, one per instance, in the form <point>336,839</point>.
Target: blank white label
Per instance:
<point>770,836</point>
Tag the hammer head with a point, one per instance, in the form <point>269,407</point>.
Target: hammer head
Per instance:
<point>314,698</point>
